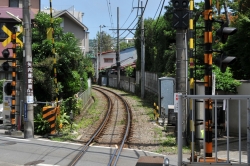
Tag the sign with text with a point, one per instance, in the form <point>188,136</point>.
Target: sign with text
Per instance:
<point>30,98</point>
<point>176,102</point>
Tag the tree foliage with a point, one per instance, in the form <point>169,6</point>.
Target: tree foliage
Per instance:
<point>70,64</point>
<point>105,41</point>
<point>160,47</point>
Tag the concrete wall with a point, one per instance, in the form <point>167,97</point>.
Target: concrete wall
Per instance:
<point>243,89</point>
<point>35,5</point>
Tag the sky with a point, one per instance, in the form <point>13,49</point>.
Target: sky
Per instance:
<point>104,12</point>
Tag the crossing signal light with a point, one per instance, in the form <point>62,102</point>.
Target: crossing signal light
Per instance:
<point>180,4</point>
<point>180,14</point>
<point>224,32</point>
<point>181,19</point>
<point>6,53</point>
<point>223,61</point>
<point>8,89</point>
<point>5,66</point>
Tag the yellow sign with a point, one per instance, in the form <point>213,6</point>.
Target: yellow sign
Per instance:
<point>8,32</point>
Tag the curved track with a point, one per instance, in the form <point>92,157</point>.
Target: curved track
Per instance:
<point>114,129</point>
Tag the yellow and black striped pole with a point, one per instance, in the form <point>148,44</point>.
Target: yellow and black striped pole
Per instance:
<point>191,66</point>
<point>208,75</point>
<point>54,52</point>
<point>13,83</point>
<point>49,114</point>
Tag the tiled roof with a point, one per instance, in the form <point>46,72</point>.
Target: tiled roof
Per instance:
<point>15,11</point>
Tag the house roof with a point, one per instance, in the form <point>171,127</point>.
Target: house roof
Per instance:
<point>69,15</point>
<point>128,57</point>
<point>15,11</point>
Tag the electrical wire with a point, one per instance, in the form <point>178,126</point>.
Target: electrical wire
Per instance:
<point>128,17</point>
<point>110,13</point>
<point>157,9</point>
<point>159,14</point>
<point>135,19</point>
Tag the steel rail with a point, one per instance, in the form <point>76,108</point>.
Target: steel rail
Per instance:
<point>126,133</point>
<point>85,147</point>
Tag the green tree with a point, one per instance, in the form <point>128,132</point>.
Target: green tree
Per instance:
<point>160,48</point>
<point>105,41</point>
<point>159,45</point>
<point>238,46</point>
<point>71,65</point>
<point>124,45</point>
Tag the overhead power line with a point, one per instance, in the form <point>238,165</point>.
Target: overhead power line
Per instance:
<point>135,19</point>
<point>128,17</point>
<point>159,13</point>
<point>157,9</point>
<point>110,13</point>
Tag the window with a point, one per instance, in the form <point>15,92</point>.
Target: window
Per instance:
<point>13,3</point>
<point>62,23</point>
<point>108,60</point>
<point>2,34</point>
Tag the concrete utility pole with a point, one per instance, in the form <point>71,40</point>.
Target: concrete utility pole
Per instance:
<point>118,52</point>
<point>180,23</point>
<point>142,51</point>
<point>101,26</point>
<point>181,68</point>
<point>142,54</point>
<point>97,62</point>
<point>28,80</point>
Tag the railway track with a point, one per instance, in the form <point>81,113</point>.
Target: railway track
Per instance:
<point>114,129</point>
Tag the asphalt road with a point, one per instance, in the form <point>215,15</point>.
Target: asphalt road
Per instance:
<point>17,151</point>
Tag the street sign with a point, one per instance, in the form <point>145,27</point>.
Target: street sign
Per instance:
<point>8,32</point>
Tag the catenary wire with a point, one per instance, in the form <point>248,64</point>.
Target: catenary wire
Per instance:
<point>157,9</point>
<point>134,21</point>
<point>159,13</point>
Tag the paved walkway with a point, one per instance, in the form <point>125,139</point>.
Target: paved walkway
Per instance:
<point>129,154</point>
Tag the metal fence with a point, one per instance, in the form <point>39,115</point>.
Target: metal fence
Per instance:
<point>240,103</point>
<point>85,97</point>
<point>151,81</point>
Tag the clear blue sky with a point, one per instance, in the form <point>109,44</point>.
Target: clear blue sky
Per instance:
<point>104,12</point>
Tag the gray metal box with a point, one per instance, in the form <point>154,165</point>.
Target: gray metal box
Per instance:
<point>166,92</point>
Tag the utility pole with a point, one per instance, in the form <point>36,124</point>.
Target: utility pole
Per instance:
<point>180,23</point>
<point>28,80</point>
<point>142,54</point>
<point>181,71</point>
<point>101,26</point>
<point>118,52</point>
<point>97,62</point>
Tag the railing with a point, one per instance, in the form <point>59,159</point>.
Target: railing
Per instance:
<point>85,97</point>
<point>240,103</point>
